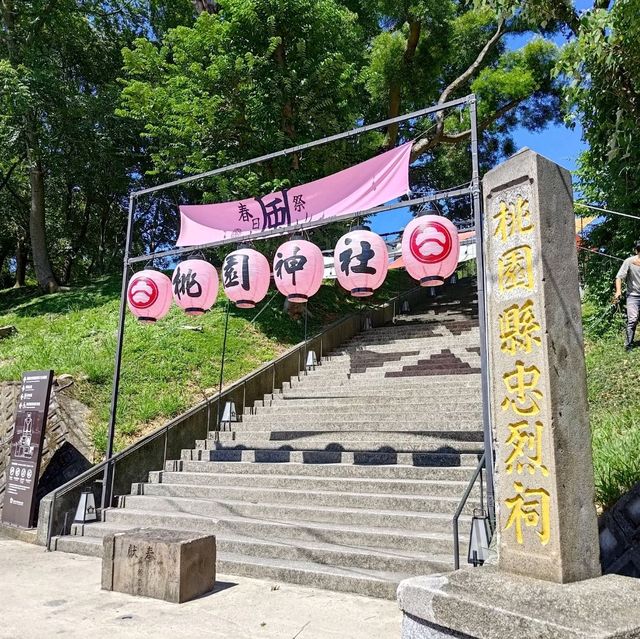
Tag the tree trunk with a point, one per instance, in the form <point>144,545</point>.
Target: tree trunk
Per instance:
<point>288,126</point>
<point>77,243</point>
<point>41,263</point>
<point>395,90</point>
<point>21,262</point>
<point>206,6</point>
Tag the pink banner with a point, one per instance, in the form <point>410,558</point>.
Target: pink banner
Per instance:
<point>354,190</point>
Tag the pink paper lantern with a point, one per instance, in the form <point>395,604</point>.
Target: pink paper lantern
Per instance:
<point>298,268</point>
<point>361,260</point>
<point>430,249</point>
<point>195,286</point>
<point>149,295</point>
<point>245,277</point>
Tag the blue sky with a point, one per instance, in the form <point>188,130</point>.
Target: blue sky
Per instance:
<point>557,142</point>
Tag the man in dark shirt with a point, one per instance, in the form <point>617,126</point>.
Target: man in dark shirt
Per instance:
<point>630,273</point>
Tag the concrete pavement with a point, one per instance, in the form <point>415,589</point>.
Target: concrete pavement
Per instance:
<point>46,594</point>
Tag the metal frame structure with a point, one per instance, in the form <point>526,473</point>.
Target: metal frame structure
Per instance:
<point>473,190</point>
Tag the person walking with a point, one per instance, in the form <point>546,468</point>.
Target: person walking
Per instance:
<point>630,272</point>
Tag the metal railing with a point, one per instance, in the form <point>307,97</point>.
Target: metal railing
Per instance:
<point>477,476</point>
<point>133,464</point>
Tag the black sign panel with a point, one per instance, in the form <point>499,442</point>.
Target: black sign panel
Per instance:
<point>26,448</point>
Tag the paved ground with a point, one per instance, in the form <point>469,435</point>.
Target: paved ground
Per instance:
<point>49,594</point>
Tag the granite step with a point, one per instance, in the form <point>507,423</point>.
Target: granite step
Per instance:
<point>424,541</point>
<point>356,439</point>
<point>356,404</point>
<point>353,422</point>
<point>318,551</point>
<point>282,458</point>
<point>312,483</point>
<point>433,521</point>
<point>342,442</point>
<point>391,471</point>
<point>306,573</point>
<point>423,503</point>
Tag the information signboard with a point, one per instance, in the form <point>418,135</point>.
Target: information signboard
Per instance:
<point>26,448</point>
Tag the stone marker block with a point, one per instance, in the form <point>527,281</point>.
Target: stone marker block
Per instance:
<point>547,525</point>
<point>486,603</point>
<point>176,566</point>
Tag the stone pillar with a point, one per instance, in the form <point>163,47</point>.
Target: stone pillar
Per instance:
<point>546,524</point>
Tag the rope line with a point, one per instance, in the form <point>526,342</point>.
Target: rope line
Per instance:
<point>599,208</point>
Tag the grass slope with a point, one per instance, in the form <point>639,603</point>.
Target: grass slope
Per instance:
<point>613,378</point>
<point>166,369</point>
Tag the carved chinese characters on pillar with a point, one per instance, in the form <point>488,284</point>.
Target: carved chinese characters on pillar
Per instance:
<point>518,372</point>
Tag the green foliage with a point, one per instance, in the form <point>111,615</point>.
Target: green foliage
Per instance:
<point>602,66</point>
<point>259,77</point>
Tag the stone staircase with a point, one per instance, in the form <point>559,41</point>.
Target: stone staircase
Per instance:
<point>347,478</point>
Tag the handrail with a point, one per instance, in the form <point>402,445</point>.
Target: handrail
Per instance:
<point>461,505</point>
<point>94,471</point>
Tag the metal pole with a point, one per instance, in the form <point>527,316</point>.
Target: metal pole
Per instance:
<point>224,350</point>
<point>456,546</point>
<point>306,318</point>
<point>482,313</point>
<point>107,479</point>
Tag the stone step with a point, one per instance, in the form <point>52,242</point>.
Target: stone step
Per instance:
<point>353,422</point>
<point>318,551</point>
<point>432,344</point>
<point>359,581</point>
<point>356,405</point>
<point>88,546</point>
<point>312,483</point>
<point>368,571</point>
<point>454,385</point>
<point>415,394</point>
<point>437,339</point>
<point>457,369</point>
<point>423,541</point>
<point>363,366</point>
<point>467,398</point>
<point>346,441</point>
<point>435,503</point>
<point>220,508</point>
<point>321,457</point>
<point>360,379</point>
<point>364,471</point>
<point>378,439</point>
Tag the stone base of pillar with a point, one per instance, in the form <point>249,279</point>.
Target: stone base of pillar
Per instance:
<point>486,603</point>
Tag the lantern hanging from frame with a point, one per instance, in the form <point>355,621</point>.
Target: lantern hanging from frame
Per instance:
<point>149,295</point>
<point>245,277</point>
<point>195,286</point>
<point>361,261</point>
<point>298,268</point>
<point>430,249</point>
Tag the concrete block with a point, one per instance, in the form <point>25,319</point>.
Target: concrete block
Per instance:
<point>486,603</point>
<point>175,566</point>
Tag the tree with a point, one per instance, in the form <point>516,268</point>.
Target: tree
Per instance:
<point>602,63</point>
<point>59,61</point>
<point>259,75</point>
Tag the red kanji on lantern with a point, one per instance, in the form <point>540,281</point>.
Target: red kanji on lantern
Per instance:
<point>149,295</point>
<point>430,249</point>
